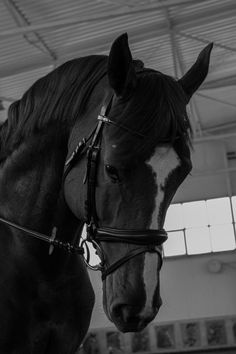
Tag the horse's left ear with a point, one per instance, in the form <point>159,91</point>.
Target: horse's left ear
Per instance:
<point>121,72</point>
<point>195,76</point>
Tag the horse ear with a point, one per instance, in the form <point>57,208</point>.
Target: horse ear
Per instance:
<point>195,76</point>
<point>121,72</point>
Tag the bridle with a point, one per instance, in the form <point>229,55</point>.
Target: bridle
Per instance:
<point>145,240</point>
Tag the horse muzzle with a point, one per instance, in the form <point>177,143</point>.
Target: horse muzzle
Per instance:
<point>130,318</point>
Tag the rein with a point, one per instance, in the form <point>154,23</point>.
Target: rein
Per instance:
<point>67,246</point>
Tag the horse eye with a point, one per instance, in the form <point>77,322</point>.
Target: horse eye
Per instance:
<point>113,173</point>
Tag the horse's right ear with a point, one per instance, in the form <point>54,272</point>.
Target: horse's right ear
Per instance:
<point>195,76</point>
<point>121,72</point>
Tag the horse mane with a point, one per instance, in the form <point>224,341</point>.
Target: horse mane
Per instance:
<point>59,97</point>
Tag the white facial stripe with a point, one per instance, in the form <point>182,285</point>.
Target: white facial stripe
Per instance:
<point>150,279</point>
<point>163,162</point>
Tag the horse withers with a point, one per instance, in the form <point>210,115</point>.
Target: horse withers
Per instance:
<point>103,141</point>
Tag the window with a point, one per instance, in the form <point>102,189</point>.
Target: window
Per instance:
<point>197,227</point>
<point>201,227</point>
<point>177,245</point>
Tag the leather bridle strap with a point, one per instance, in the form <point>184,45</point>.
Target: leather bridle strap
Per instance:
<point>91,172</point>
<point>149,242</point>
<point>67,246</point>
<point>133,253</point>
<point>91,178</point>
<point>137,237</point>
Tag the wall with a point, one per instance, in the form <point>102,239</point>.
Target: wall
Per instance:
<point>213,175</point>
<point>188,289</point>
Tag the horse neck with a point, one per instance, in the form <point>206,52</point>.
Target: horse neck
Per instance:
<point>30,179</point>
<point>30,186</point>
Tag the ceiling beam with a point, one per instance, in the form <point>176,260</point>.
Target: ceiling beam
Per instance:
<point>195,119</point>
<point>205,41</point>
<point>216,99</point>
<point>172,41</point>
<point>220,127</point>
<point>219,83</point>
<point>21,20</point>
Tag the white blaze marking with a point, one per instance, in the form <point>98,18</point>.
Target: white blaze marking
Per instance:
<point>163,162</point>
<point>150,277</point>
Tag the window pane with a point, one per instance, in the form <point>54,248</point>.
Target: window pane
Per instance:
<point>234,206</point>
<point>222,237</point>
<point>175,245</point>
<point>198,240</point>
<point>219,211</point>
<point>174,217</point>
<point>195,214</point>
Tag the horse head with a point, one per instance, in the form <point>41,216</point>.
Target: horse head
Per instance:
<point>138,154</point>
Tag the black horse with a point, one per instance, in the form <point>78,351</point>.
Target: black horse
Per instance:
<point>103,141</point>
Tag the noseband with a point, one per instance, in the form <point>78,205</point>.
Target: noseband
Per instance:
<point>146,240</point>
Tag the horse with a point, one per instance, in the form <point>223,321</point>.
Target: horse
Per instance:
<point>102,141</point>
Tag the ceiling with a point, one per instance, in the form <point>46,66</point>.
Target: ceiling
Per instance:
<point>37,36</point>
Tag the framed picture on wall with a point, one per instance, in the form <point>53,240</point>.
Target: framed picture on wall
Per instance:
<point>90,344</point>
<point>190,333</point>
<point>216,332</point>
<point>234,329</point>
<point>165,337</point>
<point>114,343</point>
<point>140,342</point>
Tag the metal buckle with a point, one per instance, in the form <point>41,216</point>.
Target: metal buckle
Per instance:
<point>104,119</point>
<point>86,255</point>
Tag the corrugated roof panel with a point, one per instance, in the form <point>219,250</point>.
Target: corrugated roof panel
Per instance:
<point>195,6</point>
<point>18,84</point>
<point>43,11</point>
<point>13,51</point>
<point>7,21</point>
<point>194,23</point>
<point>158,55</point>
<point>79,33</point>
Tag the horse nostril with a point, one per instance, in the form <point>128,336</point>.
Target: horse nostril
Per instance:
<point>126,313</point>
<point>116,311</point>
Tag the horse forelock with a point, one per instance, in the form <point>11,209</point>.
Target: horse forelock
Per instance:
<point>157,109</point>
